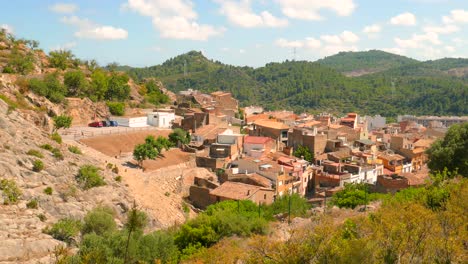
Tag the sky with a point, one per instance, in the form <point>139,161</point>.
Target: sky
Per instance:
<point>240,32</point>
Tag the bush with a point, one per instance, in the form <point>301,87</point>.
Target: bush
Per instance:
<point>62,121</point>
<point>99,221</point>
<point>57,153</point>
<point>8,69</point>
<point>46,147</point>
<point>10,192</point>
<point>32,204</point>
<point>56,137</point>
<point>89,177</point>
<point>118,178</point>
<point>116,108</point>
<point>38,165</point>
<point>48,190</point>
<point>299,205</point>
<point>351,196</point>
<point>65,230</point>
<point>115,169</point>
<point>75,150</point>
<point>42,217</point>
<point>35,153</point>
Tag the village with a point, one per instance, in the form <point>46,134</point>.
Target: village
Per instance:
<point>259,155</point>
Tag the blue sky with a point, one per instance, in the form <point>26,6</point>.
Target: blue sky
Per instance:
<point>240,32</point>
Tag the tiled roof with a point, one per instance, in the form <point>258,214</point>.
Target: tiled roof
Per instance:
<point>271,124</point>
<point>256,140</point>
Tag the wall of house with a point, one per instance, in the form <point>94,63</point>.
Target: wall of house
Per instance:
<point>131,121</point>
<point>200,196</point>
<point>220,151</point>
<point>161,119</point>
<point>207,162</point>
<point>263,196</point>
<point>388,184</point>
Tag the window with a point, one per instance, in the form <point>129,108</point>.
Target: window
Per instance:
<point>264,197</point>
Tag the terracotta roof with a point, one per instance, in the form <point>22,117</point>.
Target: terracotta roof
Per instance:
<point>310,124</point>
<point>335,126</point>
<point>271,124</point>
<point>424,143</point>
<point>265,182</point>
<point>390,156</point>
<point>253,118</point>
<point>256,140</point>
<point>235,190</point>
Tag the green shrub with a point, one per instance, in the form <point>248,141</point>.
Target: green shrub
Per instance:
<point>109,166</point>
<point>99,221</point>
<point>351,196</point>
<point>62,121</point>
<point>75,150</point>
<point>35,153</point>
<point>32,204</point>
<point>118,178</point>
<point>42,217</point>
<point>299,205</point>
<point>116,108</point>
<point>38,165</point>
<point>10,191</point>
<point>115,169</point>
<point>46,147</point>
<point>89,177</point>
<point>56,137</point>
<point>57,153</point>
<point>12,105</point>
<point>8,69</point>
<point>48,190</point>
<point>65,230</point>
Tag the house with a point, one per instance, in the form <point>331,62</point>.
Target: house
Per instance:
<point>225,104</point>
<point>351,120</point>
<point>394,162</point>
<point>138,120</point>
<point>227,145</point>
<point>161,118</point>
<point>273,129</point>
<point>241,191</point>
<point>310,138</point>
<point>256,147</point>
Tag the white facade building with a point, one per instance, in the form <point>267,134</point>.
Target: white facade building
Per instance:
<point>161,119</point>
<point>134,121</point>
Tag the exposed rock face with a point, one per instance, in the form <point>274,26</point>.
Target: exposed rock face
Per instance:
<point>85,111</point>
<point>21,234</point>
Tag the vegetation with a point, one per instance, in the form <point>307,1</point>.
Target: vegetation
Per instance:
<point>150,149</point>
<point>75,150</point>
<point>62,121</point>
<point>99,221</point>
<point>75,82</point>
<point>116,108</point>
<point>56,137</point>
<point>299,205</point>
<point>304,152</point>
<point>179,136</point>
<point>451,152</point>
<point>10,191</point>
<point>35,153</point>
<point>50,87</point>
<point>38,165</point>
<point>48,190</point>
<point>33,204</point>
<point>61,59</point>
<point>351,196</point>
<point>89,177</point>
<point>66,230</point>
<point>47,147</point>
<point>20,61</point>
<point>57,153</point>
<point>117,87</point>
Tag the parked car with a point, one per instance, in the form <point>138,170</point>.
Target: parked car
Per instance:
<point>95,124</point>
<point>105,123</point>
<point>113,123</point>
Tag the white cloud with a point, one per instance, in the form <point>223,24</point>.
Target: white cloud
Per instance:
<point>419,41</point>
<point>312,43</point>
<point>310,9</point>
<point>405,19</point>
<point>64,8</point>
<point>7,28</point>
<point>334,49</point>
<point>399,51</point>
<point>456,16</point>
<point>349,37</point>
<point>445,29</point>
<point>284,43</point>
<point>87,29</point>
<point>372,29</point>
<point>345,37</point>
<point>331,39</point>
<point>242,51</point>
<point>241,14</point>
<point>225,49</point>
<point>174,19</point>
<point>449,49</point>
<point>66,46</point>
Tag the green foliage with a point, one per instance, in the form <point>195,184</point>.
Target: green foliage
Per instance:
<point>89,177</point>
<point>351,196</point>
<point>143,152</point>
<point>65,229</point>
<point>179,136</point>
<point>48,190</point>
<point>99,221</point>
<point>61,59</point>
<point>20,61</point>
<point>10,191</point>
<point>46,147</point>
<point>57,153</point>
<point>8,69</point>
<point>33,204</point>
<point>38,165</point>
<point>56,137</point>
<point>451,152</point>
<point>42,217</point>
<point>117,87</point>
<point>98,86</point>
<point>75,150</point>
<point>118,178</point>
<point>305,152</point>
<point>62,121</point>
<point>299,205</point>
<point>116,108</point>
<point>35,153</point>
<point>12,105</point>
<point>75,82</point>
<point>50,87</point>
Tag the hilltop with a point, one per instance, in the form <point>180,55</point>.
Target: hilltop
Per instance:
<point>399,86</point>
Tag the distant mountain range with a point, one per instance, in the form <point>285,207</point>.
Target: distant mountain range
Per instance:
<point>383,83</point>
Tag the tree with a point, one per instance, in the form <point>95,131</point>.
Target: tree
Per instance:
<point>116,108</point>
<point>451,152</point>
<point>305,152</point>
<point>75,82</point>
<point>179,136</point>
<point>143,152</point>
<point>136,220</point>
<point>99,84</point>
<point>99,221</point>
<point>62,121</point>
<point>60,58</point>
<point>351,196</point>
<point>118,88</point>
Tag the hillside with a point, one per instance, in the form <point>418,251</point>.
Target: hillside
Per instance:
<point>364,62</point>
<point>311,86</point>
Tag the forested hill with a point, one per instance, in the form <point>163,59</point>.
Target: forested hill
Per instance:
<point>364,62</point>
<point>311,86</point>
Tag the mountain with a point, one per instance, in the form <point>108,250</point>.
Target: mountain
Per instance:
<point>418,88</point>
<point>364,62</point>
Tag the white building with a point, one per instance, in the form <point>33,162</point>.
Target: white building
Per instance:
<point>161,119</point>
<point>131,121</point>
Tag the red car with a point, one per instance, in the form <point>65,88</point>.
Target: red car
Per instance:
<point>95,124</point>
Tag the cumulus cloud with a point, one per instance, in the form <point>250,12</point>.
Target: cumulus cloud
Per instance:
<point>310,9</point>
<point>88,29</point>
<point>241,14</point>
<point>8,29</point>
<point>284,43</point>
<point>449,49</point>
<point>344,37</point>
<point>456,16</point>
<point>398,51</point>
<point>174,19</point>
<point>242,51</point>
<point>445,29</point>
<point>405,19</point>
<point>372,29</point>
<point>419,40</point>
<point>63,8</point>
<point>334,49</point>
<point>66,46</point>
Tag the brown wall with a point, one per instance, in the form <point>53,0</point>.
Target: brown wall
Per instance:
<point>200,196</point>
<point>207,162</point>
<point>388,184</point>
